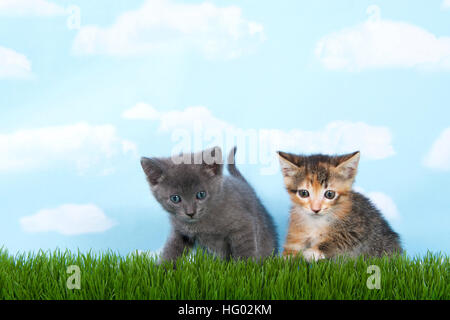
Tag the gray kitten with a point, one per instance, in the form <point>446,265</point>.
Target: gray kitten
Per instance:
<point>206,208</point>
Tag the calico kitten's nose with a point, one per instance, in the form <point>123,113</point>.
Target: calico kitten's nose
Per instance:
<point>315,206</point>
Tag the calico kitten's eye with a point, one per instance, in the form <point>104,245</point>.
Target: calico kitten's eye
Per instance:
<point>303,193</point>
<point>330,194</point>
<point>175,198</point>
<point>201,195</point>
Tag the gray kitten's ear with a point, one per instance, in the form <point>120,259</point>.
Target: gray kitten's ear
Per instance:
<point>287,167</point>
<point>212,161</point>
<point>348,165</point>
<point>153,169</point>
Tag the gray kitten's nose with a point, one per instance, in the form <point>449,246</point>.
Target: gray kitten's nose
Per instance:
<point>191,214</point>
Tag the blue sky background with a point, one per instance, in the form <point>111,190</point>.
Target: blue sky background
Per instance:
<point>372,70</point>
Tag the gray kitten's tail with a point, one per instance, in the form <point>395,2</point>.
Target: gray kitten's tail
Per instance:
<point>232,169</point>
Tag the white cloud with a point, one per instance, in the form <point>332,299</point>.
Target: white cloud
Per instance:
<point>383,202</point>
<point>81,144</point>
<point>381,43</point>
<point>165,26</point>
<point>68,219</point>
<point>189,119</point>
<point>439,155</point>
<point>186,119</point>
<point>141,111</point>
<point>337,137</point>
<point>30,8</point>
<point>13,64</point>
<point>446,4</point>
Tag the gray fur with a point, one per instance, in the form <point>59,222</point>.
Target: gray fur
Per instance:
<point>230,222</point>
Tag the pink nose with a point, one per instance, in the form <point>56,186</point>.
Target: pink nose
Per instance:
<point>316,210</point>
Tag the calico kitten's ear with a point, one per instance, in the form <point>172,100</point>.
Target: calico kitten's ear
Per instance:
<point>212,161</point>
<point>153,169</point>
<point>287,167</point>
<point>348,165</point>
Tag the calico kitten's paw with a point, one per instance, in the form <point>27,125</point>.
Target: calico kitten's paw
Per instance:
<point>313,255</point>
<point>287,256</point>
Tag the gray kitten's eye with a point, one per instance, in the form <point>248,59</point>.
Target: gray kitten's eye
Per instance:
<point>303,193</point>
<point>330,194</point>
<point>175,198</point>
<point>201,195</point>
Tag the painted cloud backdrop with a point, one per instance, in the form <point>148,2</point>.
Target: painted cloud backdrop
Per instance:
<point>87,87</point>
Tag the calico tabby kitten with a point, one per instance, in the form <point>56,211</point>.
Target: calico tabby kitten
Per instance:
<point>327,217</point>
<point>217,212</point>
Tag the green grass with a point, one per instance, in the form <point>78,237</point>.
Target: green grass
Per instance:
<point>111,276</point>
